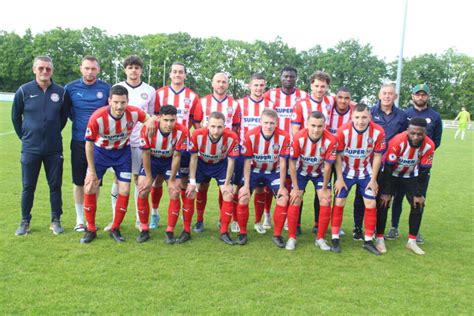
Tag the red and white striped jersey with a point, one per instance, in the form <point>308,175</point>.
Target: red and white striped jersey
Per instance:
<point>143,97</point>
<point>251,112</point>
<point>110,133</point>
<point>163,145</point>
<point>311,154</point>
<point>337,119</point>
<point>283,103</point>
<point>357,149</point>
<point>185,100</point>
<point>228,106</point>
<point>265,153</point>
<point>303,109</point>
<point>214,151</point>
<point>407,159</point>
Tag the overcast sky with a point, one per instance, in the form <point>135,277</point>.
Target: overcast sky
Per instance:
<point>432,26</point>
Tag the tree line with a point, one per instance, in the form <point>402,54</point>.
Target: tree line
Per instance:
<point>350,63</point>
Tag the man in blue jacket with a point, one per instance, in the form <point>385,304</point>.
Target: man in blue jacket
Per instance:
<point>39,114</point>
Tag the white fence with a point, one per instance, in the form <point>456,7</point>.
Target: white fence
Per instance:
<point>454,124</point>
<point>6,96</point>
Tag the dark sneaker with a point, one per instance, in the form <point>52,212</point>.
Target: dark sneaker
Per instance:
<point>116,235</point>
<point>357,234</point>
<point>336,247</point>
<point>88,237</point>
<point>23,229</point>
<point>170,238</point>
<point>56,227</point>
<point>184,237</point>
<point>369,246</point>
<point>144,236</point>
<point>199,227</point>
<point>392,234</point>
<point>278,241</point>
<point>298,230</point>
<point>226,238</point>
<point>242,239</point>
<point>419,239</point>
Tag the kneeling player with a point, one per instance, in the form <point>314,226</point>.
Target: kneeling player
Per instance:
<point>161,159</point>
<point>266,149</point>
<point>312,147</point>
<point>358,141</point>
<point>213,152</point>
<point>108,135</point>
<point>407,165</point>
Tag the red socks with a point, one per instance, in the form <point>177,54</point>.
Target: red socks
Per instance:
<point>259,205</point>
<point>173,214</point>
<point>156,194</point>
<point>120,210</point>
<point>90,206</point>
<point>336,221</point>
<point>188,211</point>
<point>243,217</point>
<point>293,214</point>
<point>268,199</point>
<point>143,212</point>
<point>226,215</point>
<point>323,220</point>
<point>201,201</point>
<point>279,217</point>
<point>370,220</point>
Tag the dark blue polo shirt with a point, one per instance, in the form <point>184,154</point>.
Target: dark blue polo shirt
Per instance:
<point>434,129</point>
<point>38,118</point>
<point>393,123</point>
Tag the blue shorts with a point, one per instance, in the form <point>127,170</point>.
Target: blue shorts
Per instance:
<point>118,159</point>
<point>160,166</point>
<point>261,179</point>
<point>184,165</point>
<point>317,181</point>
<point>361,185</point>
<point>238,177</point>
<point>206,171</point>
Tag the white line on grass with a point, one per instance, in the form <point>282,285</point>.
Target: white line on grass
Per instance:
<point>7,133</point>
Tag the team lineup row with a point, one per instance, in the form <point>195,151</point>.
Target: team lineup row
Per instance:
<point>275,141</point>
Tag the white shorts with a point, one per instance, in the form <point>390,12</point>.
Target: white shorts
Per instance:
<point>136,160</point>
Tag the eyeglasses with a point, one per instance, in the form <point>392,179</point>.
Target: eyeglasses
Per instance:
<point>45,69</point>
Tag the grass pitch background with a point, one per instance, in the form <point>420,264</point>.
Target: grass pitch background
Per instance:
<point>46,274</point>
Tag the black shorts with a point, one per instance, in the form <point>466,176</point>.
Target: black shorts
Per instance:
<point>78,162</point>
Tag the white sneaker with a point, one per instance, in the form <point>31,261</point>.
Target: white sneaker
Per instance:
<point>411,245</point>
<point>290,244</point>
<point>259,228</point>
<point>79,228</point>
<point>267,221</point>
<point>234,227</point>
<point>380,244</point>
<point>285,227</point>
<point>108,228</point>
<point>322,244</point>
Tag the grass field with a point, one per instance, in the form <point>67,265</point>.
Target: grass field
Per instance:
<point>46,274</point>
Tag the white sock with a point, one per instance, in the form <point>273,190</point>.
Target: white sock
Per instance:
<point>367,238</point>
<point>79,213</point>
<point>457,133</point>
<point>154,211</point>
<point>113,197</point>
<point>462,135</point>
<point>136,203</point>
<point>335,236</point>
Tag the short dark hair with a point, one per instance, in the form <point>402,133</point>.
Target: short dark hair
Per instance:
<point>343,89</point>
<point>418,121</point>
<point>133,60</point>
<point>320,75</point>
<point>179,64</point>
<point>118,90</point>
<point>90,58</point>
<point>316,115</point>
<point>361,107</point>
<point>217,115</point>
<point>289,68</point>
<point>257,76</point>
<point>168,110</point>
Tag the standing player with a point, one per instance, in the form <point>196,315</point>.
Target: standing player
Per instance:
<point>108,135</point>
<point>252,107</point>
<point>358,141</point>
<point>188,105</point>
<point>341,112</point>
<point>142,96</point>
<point>409,159</point>
<point>218,101</point>
<point>313,153</point>
<point>84,96</point>
<point>161,158</point>
<point>214,149</point>
<point>266,150</point>
<point>464,118</point>
<point>284,100</point>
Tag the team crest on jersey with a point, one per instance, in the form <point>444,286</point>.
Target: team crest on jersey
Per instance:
<point>428,120</point>
<point>298,99</point>
<point>88,132</point>
<point>276,148</point>
<point>187,101</point>
<point>392,157</point>
<point>100,94</point>
<point>322,150</point>
<point>230,110</point>
<point>144,96</point>
<point>54,97</point>
<point>130,125</point>
<point>370,141</point>
<point>186,111</point>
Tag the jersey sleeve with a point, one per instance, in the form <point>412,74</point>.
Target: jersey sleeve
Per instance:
<point>233,151</point>
<point>142,116</point>
<point>92,130</point>
<point>331,151</point>
<point>237,115</point>
<point>393,152</point>
<point>198,114</point>
<point>151,104</point>
<point>285,148</point>
<point>340,141</point>
<point>193,146</point>
<point>297,115</point>
<point>157,102</point>
<point>295,148</point>
<point>247,150</point>
<point>426,160</point>
<point>182,141</point>
<point>144,141</point>
<point>380,146</point>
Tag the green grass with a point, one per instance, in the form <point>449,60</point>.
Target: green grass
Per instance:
<point>46,274</point>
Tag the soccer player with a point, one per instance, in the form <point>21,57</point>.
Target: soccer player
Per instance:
<point>39,114</point>
<point>252,107</point>
<point>214,149</point>
<point>408,161</point>
<point>464,118</point>
<point>218,101</point>
<point>266,150</point>
<point>161,158</point>
<point>140,95</point>
<point>108,135</point>
<point>84,96</point>
<point>188,105</point>
<point>341,112</point>
<point>313,151</point>
<point>360,146</point>
<point>283,99</point>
